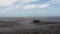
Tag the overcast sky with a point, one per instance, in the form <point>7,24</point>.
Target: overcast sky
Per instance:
<point>29,8</point>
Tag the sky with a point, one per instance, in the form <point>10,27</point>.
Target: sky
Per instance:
<point>29,8</point>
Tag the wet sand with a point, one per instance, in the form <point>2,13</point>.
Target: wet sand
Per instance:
<point>18,28</point>
<point>28,27</point>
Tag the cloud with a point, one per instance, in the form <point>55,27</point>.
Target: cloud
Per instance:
<point>24,4</point>
<point>29,1</point>
<point>52,2</point>
<point>13,4</point>
<point>36,6</point>
<point>8,5</point>
<point>7,2</point>
<point>29,6</point>
<point>44,5</point>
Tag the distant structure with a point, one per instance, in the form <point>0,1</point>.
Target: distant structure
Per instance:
<point>36,21</point>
